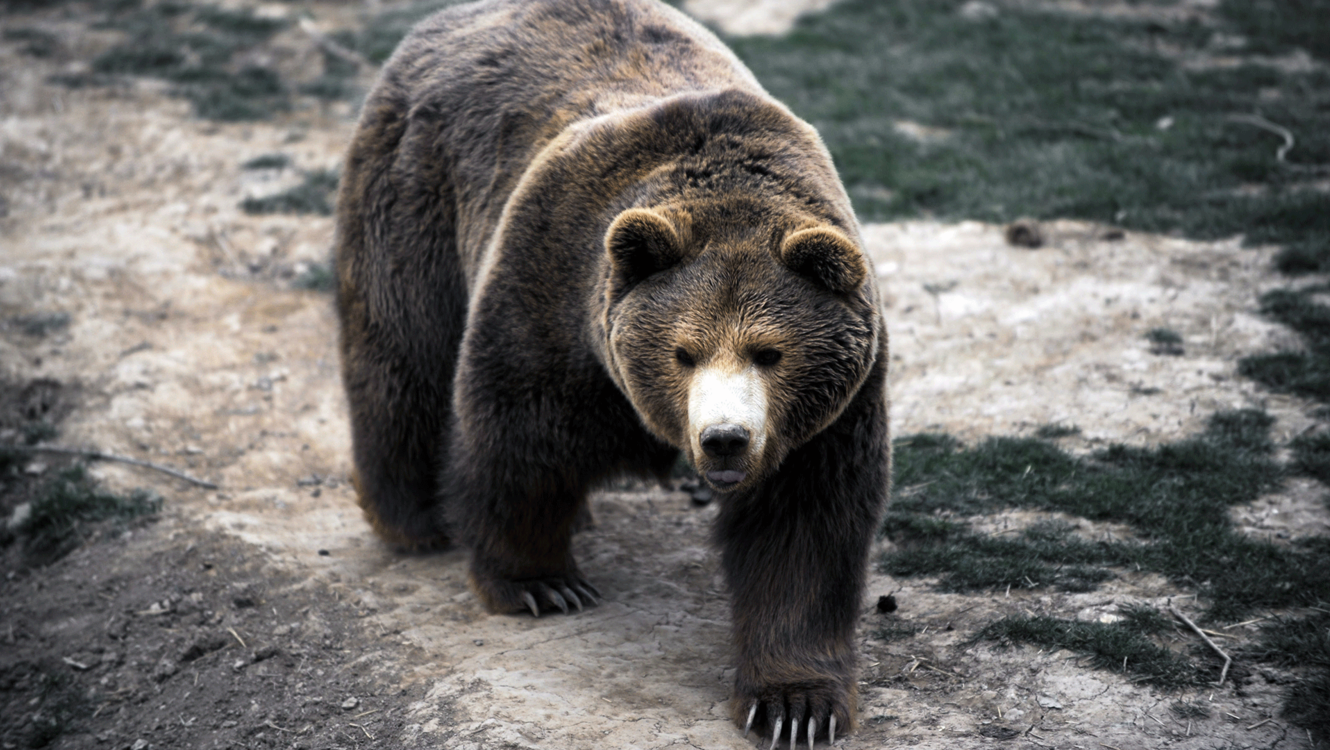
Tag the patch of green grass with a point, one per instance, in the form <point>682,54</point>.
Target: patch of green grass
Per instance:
<point>35,432</point>
<point>41,324</point>
<point>1272,26</point>
<point>378,36</point>
<point>268,161</point>
<point>1115,647</point>
<point>1044,555</point>
<point>313,196</point>
<point>1294,641</point>
<point>199,48</point>
<point>1301,642</point>
<point>37,42</point>
<point>1189,710</point>
<point>895,631</point>
<point>1054,431</point>
<point>65,508</point>
<point>1164,341</point>
<point>1175,497</point>
<point>1304,373</point>
<point>1307,704</point>
<point>1045,114</point>
<point>1311,455</point>
<point>318,277</point>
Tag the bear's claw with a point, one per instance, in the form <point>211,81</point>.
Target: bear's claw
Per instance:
<point>563,594</point>
<point>779,723</point>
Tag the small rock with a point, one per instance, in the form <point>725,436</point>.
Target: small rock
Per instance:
<point>22,512</point>
<point>267,652</point>
<point>479,642</point>
<point>886,604</point>
<point>1046,701</point>
<point>978,10</point>
<point>313,480</point>
<point>139,744</point>
<point>36,469</point>
<point>245,596</point>
<point>1024,233</point>
<point>281,630</point>
<point>350,703</point>
<point>702,496</point>
<point>165,669</point>
<point>239,664</point>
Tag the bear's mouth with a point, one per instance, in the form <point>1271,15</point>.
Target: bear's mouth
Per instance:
<point>724,479</point>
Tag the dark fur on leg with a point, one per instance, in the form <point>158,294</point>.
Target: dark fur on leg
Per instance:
<point>795,552</point>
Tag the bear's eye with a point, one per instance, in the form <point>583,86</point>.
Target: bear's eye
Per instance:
<point>766,357</point>
<point>684,357</point>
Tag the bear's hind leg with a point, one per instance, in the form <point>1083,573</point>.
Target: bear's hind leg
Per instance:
<point>396,444</point>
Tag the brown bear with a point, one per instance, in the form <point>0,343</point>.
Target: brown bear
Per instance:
<point>576,238</point>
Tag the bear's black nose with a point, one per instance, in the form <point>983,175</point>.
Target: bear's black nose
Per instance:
<point>724,440</point>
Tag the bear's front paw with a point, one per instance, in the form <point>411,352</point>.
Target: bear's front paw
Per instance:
<point>802,711</point>
<point>537,594</point>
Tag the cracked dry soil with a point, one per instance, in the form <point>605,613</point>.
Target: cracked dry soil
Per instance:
<point>264,614</point>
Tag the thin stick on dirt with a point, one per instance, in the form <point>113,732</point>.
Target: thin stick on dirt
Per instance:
<point>99,456</point>
<point>1228,660</point>
<point>1264,124</point>
<point>1247,622</point>
<point>333,48</point>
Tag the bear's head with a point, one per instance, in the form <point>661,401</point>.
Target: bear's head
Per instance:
<point>736,346</point>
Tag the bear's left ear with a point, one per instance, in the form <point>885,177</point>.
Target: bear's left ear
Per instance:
<point>641,242</point>
<point>826,257</point>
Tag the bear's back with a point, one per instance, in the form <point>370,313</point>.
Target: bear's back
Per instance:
<point>482,88</point>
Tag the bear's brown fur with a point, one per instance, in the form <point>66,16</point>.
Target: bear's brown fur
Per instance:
<point>573,240</point>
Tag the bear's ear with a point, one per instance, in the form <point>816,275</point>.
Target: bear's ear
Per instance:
<point>642,242</point>
<point>826,257</point>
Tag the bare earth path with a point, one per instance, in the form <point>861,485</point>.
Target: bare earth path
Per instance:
<point>191,348</point>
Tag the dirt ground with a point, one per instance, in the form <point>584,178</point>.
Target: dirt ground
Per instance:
<point>264,614</point>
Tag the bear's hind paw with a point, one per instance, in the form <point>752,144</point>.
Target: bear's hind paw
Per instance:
<point>542,594</point>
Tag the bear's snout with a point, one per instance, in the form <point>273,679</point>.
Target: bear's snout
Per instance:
<point>724,440</point>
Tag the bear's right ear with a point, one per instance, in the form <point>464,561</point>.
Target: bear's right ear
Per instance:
<point>641,243</point>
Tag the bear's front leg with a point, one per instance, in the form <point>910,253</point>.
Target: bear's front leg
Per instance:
<point>795,551</point>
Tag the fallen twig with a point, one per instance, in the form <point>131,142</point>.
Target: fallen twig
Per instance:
<point>366,731</point>
<point>1247,622</point>
<point>1266,125</point>
<point>1228,660</point>
<point>332,47</point>
<point>233,632</point>
<point>1282,132</point>
<point>1262,722</point>
<point>99,456</point>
